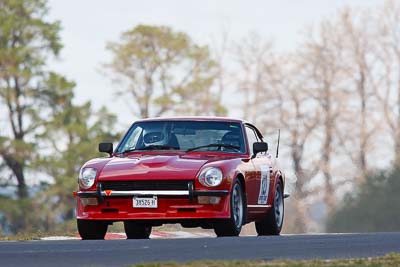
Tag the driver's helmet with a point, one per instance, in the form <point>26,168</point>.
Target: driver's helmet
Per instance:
<point>231,138</point>
<point>155,136</point>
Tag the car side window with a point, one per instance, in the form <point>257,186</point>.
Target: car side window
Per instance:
<point>133,140</point>
<point>251,138</point>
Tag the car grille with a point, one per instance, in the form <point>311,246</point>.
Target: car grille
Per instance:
<point>145,185</point>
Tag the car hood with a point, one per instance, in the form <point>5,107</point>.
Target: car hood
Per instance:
<point>157,167</point>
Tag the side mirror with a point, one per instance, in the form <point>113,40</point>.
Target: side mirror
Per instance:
<point>106,148</point>
<point>259,147</point>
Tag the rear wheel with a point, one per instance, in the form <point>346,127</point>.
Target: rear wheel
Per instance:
<point>272,223</point>
<point>137,230</point>
<point>91,229</point>
<point>233,225</point>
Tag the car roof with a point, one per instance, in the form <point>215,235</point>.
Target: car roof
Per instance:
<point>193,118</point>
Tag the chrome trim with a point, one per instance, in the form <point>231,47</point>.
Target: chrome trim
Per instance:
<point>190,193</point>
<point>258,206</point>
<point>145,193</point>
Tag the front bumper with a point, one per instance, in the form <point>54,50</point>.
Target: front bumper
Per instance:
<point>116,205</point>
<point>190,195</point>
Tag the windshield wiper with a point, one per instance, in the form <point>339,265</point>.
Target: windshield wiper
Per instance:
<point>215,145</point>
<point>150,147</point>
<point>155,147</point>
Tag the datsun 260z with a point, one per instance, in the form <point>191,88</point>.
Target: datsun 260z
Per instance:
<point>214,173</point>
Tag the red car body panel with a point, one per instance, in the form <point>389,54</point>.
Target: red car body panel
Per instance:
<point>180,165</point>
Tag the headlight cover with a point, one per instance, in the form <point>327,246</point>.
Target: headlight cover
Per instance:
<point>211,177</point>
<point>87,177</point>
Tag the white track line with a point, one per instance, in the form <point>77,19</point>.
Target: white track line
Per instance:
<point>154,235</point>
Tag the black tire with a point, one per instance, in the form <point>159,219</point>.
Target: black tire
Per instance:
<point>233,225</point>
<point>136,230</point>
<point>273,221</point>
<point>92,229</point>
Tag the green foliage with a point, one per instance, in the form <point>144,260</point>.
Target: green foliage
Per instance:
<point>164,71</point>
<point>48,135</point>
<point>385,261</point>
<point>26,41</point>
<point>19,212</point>
<point>72,136</point>
<point>373,208</point>
<point>65,142</point>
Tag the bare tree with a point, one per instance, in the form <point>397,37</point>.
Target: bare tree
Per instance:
<point>387,87</point>
<point>297,116</point>
<point>358,129</point>
<point>256,71</point>
<point>220,47</point>
<point>276,95</point>
<point>329,97</point>
<point>325,74</point>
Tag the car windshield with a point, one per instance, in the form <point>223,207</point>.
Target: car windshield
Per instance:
<point>184,135</point>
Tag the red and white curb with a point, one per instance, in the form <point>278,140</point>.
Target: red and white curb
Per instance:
<point>154,235</point>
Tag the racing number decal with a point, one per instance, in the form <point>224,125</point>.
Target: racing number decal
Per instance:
<point>264,185</point>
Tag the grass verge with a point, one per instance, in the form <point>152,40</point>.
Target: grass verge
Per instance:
<point>389,260</point>
<point>34,236</point>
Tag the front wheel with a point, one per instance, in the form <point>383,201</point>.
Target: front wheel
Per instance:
<point>272,223</point>
<point>91,229</point>
<point>233,225</point>
<point>137,230</point>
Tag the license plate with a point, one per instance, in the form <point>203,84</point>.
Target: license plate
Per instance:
<point>145,202</point>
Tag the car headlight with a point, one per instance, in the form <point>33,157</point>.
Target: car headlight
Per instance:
<point>211,177</point>
<point>87,177</point>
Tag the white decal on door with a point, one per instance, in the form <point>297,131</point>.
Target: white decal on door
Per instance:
<point>264,185</point>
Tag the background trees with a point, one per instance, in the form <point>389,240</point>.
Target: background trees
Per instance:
<point>46,137</point>
<point>335,97</point>
<point>72,137</point>
<point>26,41</point>
<point>387,86</point>
<point>359,211</point>
<point>163,71</point>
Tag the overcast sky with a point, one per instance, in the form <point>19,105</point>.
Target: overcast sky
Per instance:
<point>88,25</point>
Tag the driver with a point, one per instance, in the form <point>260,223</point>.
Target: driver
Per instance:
<point>158,136</point>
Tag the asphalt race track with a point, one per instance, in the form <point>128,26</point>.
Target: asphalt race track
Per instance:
<point>124,252</point>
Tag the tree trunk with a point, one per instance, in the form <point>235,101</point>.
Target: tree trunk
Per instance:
<point>363,131</point>
<point>301,219</point>
<point>329,197</point>
<point>397,139</point>
<point>18,170</point>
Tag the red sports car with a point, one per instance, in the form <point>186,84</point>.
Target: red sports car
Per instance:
<point>214,173</point>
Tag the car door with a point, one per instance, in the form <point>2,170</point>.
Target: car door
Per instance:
<point>260,177</point>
